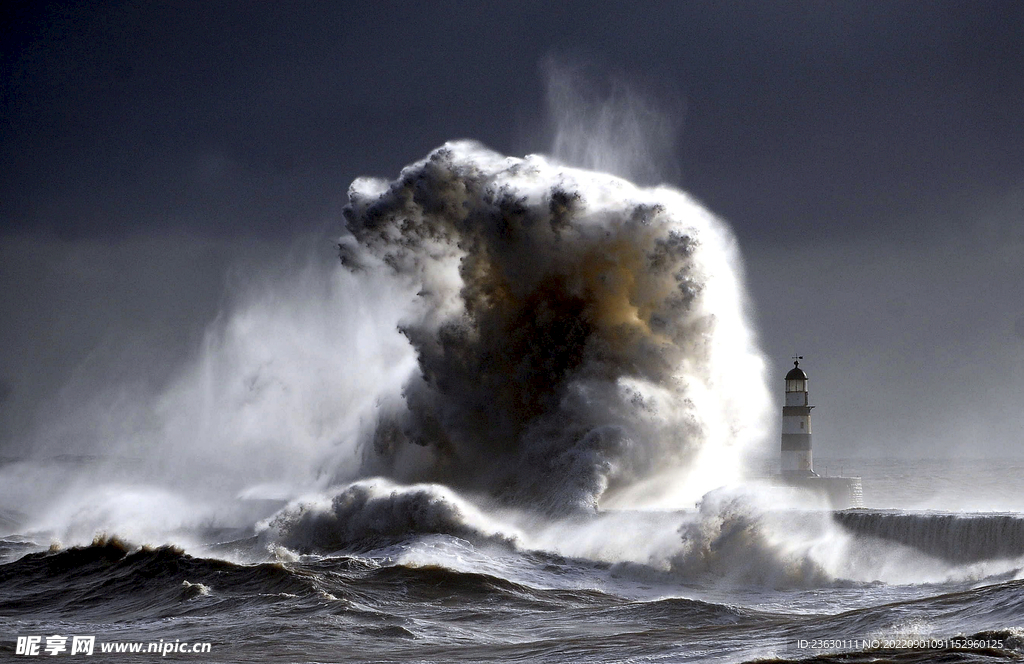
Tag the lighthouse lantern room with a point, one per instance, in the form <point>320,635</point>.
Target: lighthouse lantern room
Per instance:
<point>796,425</point>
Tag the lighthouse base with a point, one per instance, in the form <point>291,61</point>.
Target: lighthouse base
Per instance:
<point>840,492</point>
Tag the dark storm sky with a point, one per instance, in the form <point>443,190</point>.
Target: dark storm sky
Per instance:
<point>869,155</point>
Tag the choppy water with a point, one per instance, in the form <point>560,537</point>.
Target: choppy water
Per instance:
<point>432,596</point>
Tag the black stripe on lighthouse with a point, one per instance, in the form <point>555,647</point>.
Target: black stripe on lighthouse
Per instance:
<point>796,442</point>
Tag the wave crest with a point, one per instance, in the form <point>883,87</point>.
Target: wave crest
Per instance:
<point>375,513</point>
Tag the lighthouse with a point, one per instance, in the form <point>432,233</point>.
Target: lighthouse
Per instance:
<point>797,466</point>
<point>796,425</point>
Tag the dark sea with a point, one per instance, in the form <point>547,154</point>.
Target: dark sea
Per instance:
<point>901,581</point>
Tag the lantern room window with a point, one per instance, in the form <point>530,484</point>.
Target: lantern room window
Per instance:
<point>796,385</point>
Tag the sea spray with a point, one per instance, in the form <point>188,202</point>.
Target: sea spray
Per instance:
<point>268,407</point>
<point>576,336</point>
<point>612,122</point>
<point>525,335</point>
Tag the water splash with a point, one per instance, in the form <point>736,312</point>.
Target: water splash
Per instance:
<point>579,339</point>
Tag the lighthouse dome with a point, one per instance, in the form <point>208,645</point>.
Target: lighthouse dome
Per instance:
<point>796,373</point>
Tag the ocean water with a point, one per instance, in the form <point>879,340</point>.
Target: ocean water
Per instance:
<point>516,421</point>
<point>949,593</point>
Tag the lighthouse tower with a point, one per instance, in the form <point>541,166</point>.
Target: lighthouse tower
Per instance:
<point>796,425</point>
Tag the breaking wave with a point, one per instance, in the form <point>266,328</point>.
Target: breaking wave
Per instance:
<point>579,339</point>
<point>376,513</point>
